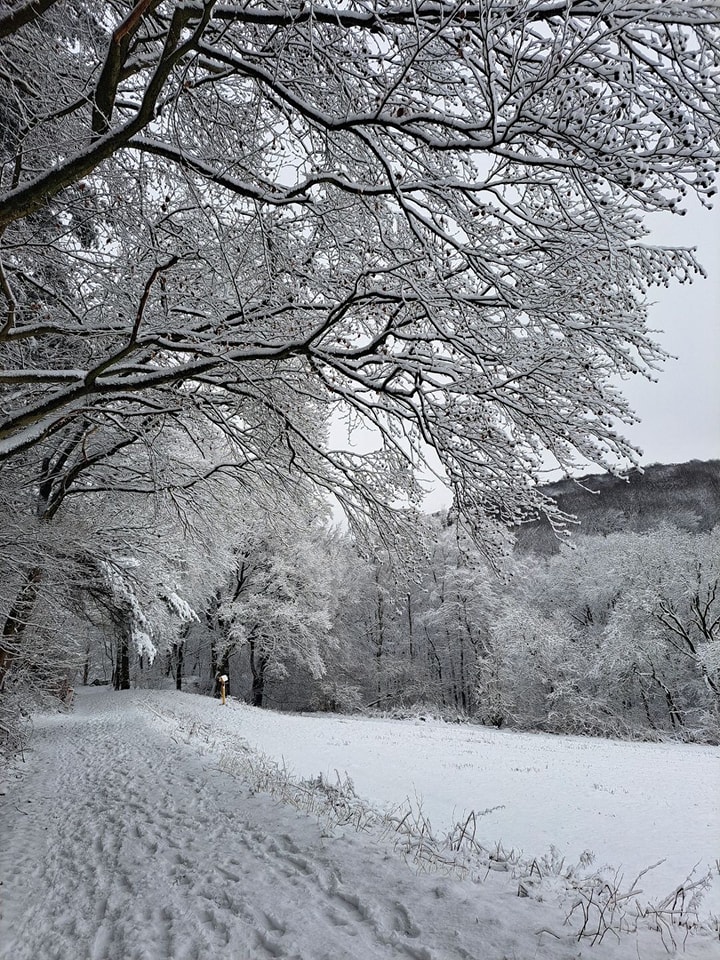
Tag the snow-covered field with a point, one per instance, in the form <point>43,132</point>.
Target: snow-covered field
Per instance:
<point>123,839</point>
<point>631,804</point>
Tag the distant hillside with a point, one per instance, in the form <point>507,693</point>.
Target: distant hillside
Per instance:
<point>686,495</point>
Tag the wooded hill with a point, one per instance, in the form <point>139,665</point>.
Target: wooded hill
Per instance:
<point>685,495</point>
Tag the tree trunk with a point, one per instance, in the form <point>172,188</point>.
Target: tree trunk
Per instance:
<point>17,621</point>
<point>179,647</point>
<point>379,635</point>
<point>463,684</point>
<point>675,716</point>
<point>258,663</point>
<point>410,627</point>
<point>122,665</point>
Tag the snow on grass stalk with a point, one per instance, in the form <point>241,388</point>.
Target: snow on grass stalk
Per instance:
<point>597,904</point>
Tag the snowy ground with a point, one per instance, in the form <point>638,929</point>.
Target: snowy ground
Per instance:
<point>631,804</point>
<point>124,840</point>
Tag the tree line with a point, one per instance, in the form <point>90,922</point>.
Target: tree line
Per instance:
<point>615,634</point>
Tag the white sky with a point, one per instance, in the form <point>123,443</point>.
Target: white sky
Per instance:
<point>681,412</point>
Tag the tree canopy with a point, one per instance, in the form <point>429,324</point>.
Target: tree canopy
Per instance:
<point>254,219</point>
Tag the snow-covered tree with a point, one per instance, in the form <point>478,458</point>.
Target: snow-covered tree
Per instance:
<point>455,611</point>
<point>226,227</point>
<point>278,599</point>
<point>429,214</point>
<point>116,530</point>
<point>669,615</point>
<point>618,634</point>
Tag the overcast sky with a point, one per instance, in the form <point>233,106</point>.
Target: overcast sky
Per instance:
<point>681,412</point>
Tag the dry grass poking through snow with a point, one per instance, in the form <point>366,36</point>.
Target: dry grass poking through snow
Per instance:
<point>596,907</point>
